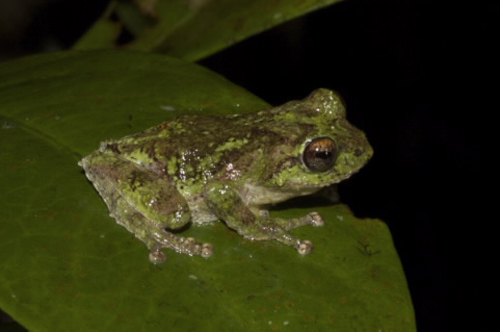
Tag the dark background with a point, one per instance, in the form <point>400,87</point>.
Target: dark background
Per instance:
<point>416,77</point>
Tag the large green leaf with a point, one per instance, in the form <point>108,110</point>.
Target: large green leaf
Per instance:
<point>189,29</point>
<point>67,266</point>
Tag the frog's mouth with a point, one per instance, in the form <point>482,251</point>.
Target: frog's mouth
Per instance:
<point>294,185</point>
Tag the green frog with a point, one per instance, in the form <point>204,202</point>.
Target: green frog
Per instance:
<point>199,169</point>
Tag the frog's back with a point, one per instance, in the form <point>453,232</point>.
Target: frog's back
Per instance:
<point>191,146</point>
<point>172,136</point>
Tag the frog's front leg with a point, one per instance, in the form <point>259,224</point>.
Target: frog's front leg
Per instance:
<point>146,204</point>
<point>313,218</point>
<point>225,201</point>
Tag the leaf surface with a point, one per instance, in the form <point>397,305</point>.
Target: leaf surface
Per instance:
<point>66,265</point>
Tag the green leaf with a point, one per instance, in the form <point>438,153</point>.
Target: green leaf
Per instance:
<point>66,265</point>
<point>189,29</point>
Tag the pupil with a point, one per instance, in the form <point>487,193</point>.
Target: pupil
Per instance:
<point>323,154</point>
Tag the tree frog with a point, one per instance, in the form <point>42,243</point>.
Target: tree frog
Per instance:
<point>199,169</point>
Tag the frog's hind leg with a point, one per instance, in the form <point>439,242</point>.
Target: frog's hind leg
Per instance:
<point>158,239</point>
<point>144,203</point>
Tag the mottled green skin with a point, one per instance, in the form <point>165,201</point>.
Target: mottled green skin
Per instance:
<point>201,169</point>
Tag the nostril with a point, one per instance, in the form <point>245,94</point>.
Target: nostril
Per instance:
<point>358,152</point>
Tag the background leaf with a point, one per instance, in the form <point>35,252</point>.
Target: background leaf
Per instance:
<point>67,266</point>
<point>192,29</point>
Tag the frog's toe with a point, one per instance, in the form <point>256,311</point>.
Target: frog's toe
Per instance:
<point>157,257</point>
<point>316,219</point>
<point>189,241</point>
<point>207,250</point>
<point>191,247</point>
<point>305,247</point>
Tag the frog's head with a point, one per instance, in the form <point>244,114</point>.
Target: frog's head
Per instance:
<point>321,147</point>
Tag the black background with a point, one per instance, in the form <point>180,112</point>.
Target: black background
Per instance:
<point>417,77</point>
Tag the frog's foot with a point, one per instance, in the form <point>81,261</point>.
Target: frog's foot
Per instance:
<point>304,247</point>
<point>313,218</point>
<point>188,245</point>
<point>183,245</point>
<point>157,257</point>
<point>278,233</point>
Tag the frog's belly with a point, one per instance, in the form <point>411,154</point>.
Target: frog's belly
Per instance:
<point>200,213</point>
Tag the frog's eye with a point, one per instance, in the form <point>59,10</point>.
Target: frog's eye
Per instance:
<point>320,154</point>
